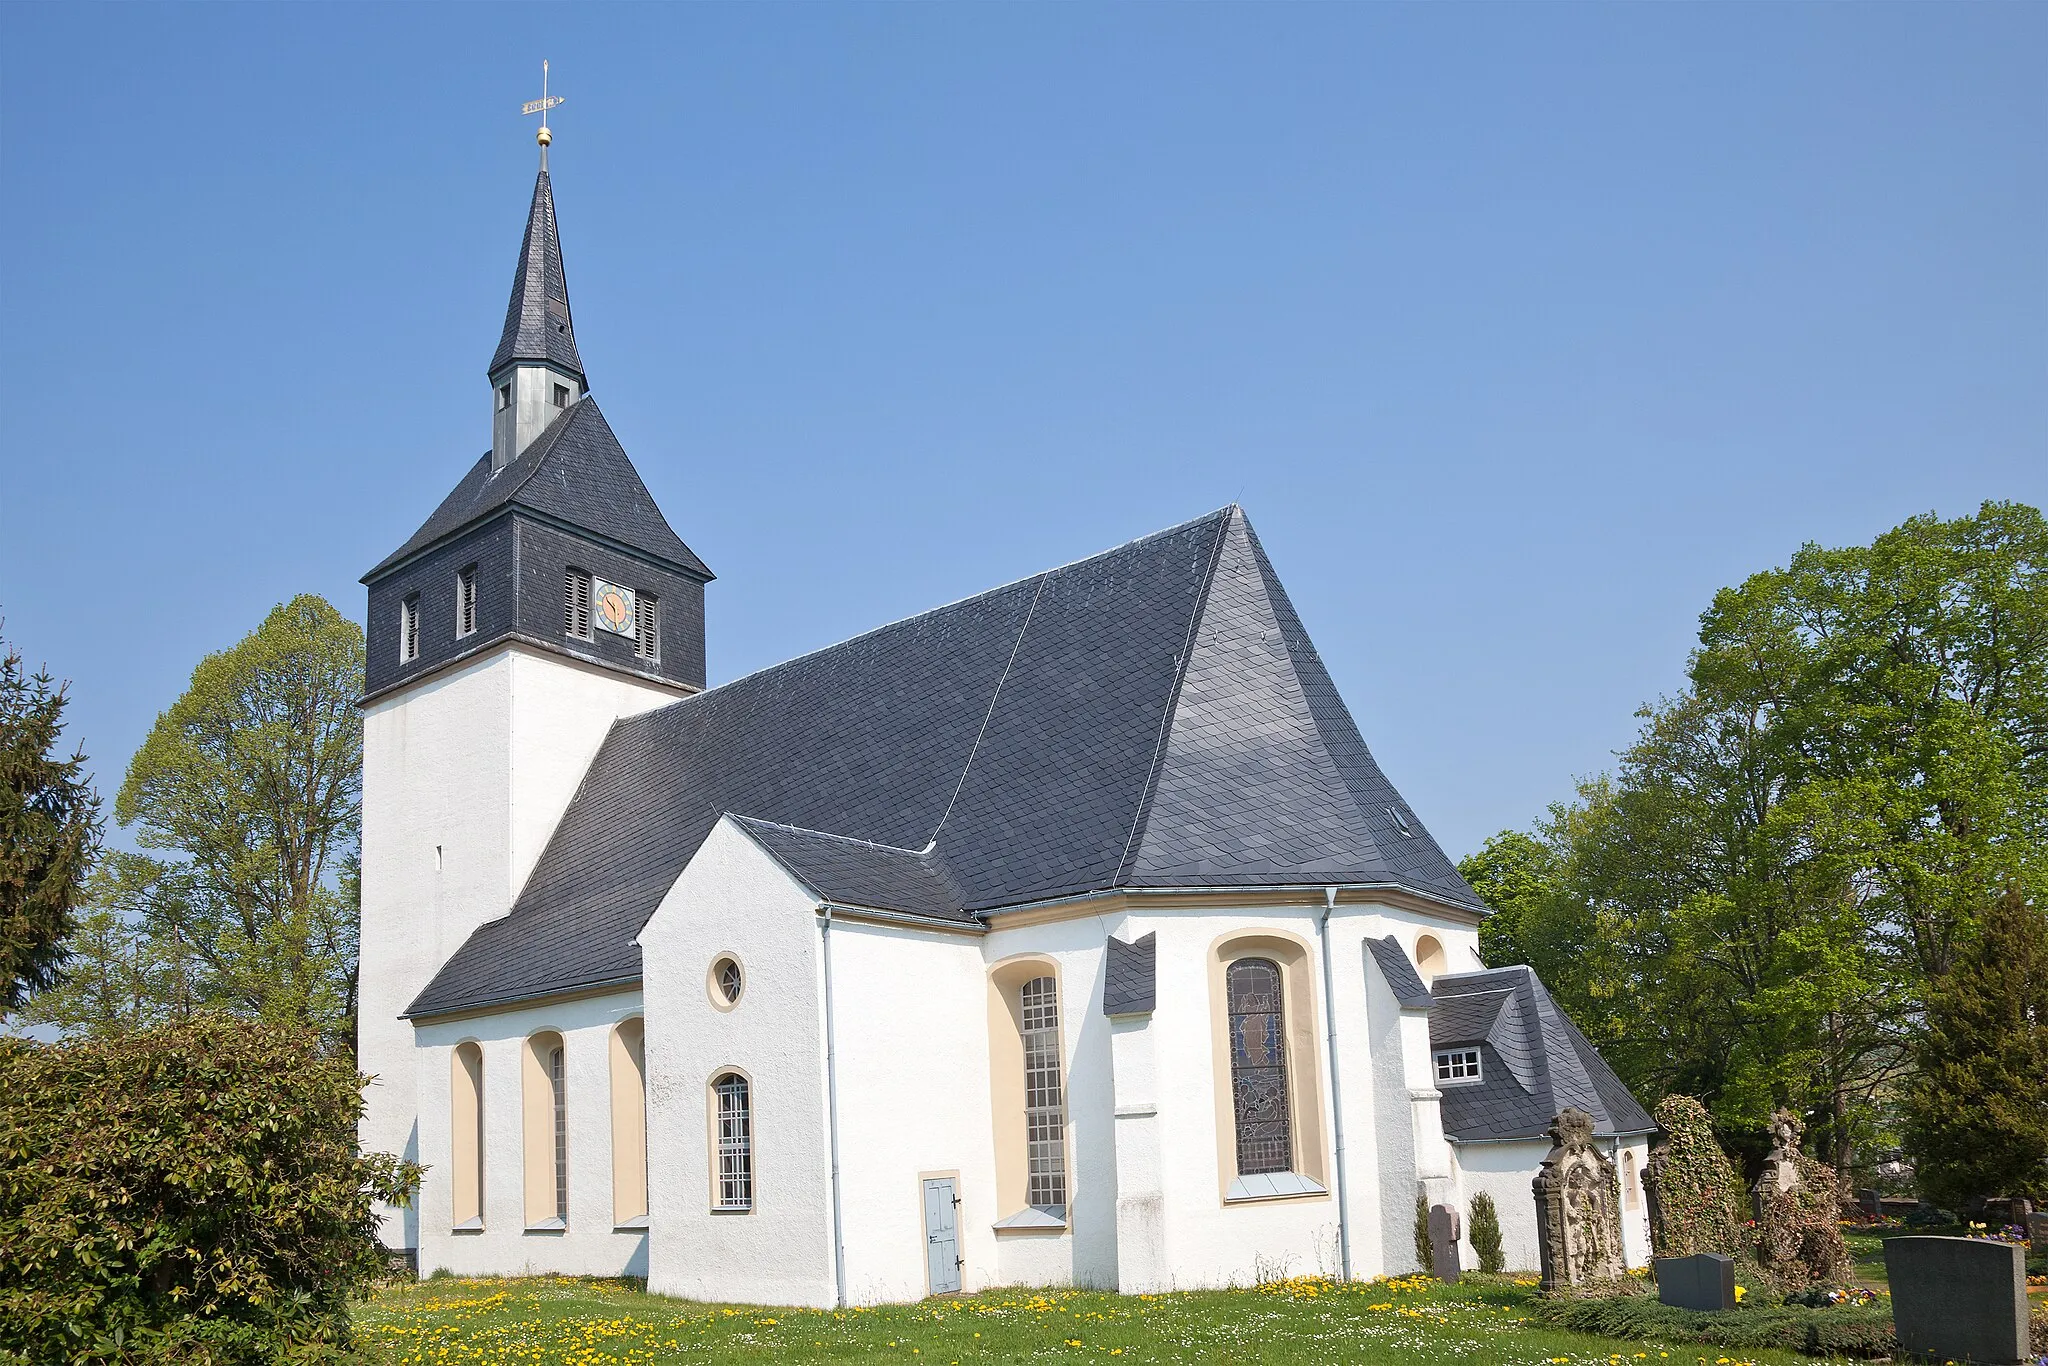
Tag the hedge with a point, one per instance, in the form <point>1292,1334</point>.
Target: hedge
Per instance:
<point>1844,1330</point>
<point>190,1193</point>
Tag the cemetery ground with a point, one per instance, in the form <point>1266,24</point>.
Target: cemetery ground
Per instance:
<point>555,1321</point>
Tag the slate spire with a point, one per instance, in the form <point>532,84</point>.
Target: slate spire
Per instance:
<point>538,328</point>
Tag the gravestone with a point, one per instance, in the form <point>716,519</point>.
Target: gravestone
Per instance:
<point>1870,1202</point>
<point>1959,1299</point>
<point>2037,1233</point>
<point>1578,1209</point>
<point>1444,1232</point>
<point>1780,1175</point>
<point>1705,1281</point>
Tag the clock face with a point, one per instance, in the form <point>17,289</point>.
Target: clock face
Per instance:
<point>614,607</point>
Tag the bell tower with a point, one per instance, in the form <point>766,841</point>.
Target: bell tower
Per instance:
<point>545,598</point>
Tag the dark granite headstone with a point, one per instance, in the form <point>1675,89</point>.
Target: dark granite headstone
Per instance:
<point>1959,1299</point>
<point>1444,1231</point>
<point>1703,1281</point>
<point>2037,1233</point>
<point>1872,1205</point>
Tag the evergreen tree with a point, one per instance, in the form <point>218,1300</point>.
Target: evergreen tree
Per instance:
<point>1978,1111</point>
<point>49,831</point>
<point>1486,1234</point>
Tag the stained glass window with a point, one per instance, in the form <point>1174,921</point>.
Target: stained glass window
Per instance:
<point>1044,1106</point>
<point>1258,1067</point>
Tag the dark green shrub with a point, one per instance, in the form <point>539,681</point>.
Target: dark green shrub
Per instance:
<point>1486,1234</point>
<point>1696,1201</point>
<point>190,1193</point>
<point>1423,1259</point>
<point>1846,1330</point>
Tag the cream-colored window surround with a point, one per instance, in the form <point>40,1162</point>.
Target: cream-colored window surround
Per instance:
<point>1027,1095</point>
<point>1430,959</point>
<point>466,1138</point>
<point>629,1124</point>
<point>1307,1170</point>
<point>544,1103</point>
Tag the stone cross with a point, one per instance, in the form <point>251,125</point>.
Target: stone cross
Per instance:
<point>1578,1207</point>
<point>1444,1231</point>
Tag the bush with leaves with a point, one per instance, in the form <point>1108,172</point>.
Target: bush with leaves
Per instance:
<point>1486,1234</point>
<point>1424,1261</point>
<point>190,1193</point>
<point>1695,1195</point>
<point>1798,1236</point>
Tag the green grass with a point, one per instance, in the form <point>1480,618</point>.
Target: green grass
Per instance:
<point>563,1322</point>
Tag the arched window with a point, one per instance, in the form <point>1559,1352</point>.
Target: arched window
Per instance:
<point>546,1106</point>
<point>1429,958</point>
<point>733,1139</point>
<point>1258,1067</point>
<point>1045,1143</point>
<point>466,1137</point>
<point>629,1124</point>
<point>1631,1189</point>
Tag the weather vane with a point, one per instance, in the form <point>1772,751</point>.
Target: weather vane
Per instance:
<point>541,107</point>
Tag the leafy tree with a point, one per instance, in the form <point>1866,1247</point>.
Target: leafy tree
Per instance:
<point>49,831</point>
<point>251,785</point>
<point>1751,910</point>
<point>119,977</point>
<point>1978,1114</point>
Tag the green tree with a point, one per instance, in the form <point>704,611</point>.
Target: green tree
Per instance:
<point>248,790</point>
<point>49,831</point>
<point>1978,1114</point>
<point>1486,1234</point>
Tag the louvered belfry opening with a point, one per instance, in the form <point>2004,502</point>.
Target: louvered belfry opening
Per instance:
<point>576,603</point>
<point>647,626</point>
<point>465,602</point>
<point>1258,1067</point>
<point>1044,1102</point>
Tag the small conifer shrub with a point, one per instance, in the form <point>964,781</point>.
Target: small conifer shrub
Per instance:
<point>1422,1255</point>
<point>1486,1234</point>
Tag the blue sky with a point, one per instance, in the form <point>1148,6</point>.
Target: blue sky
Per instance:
<point>1517,330</point>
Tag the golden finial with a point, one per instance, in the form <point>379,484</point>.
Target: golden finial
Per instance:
<point>541,107</point>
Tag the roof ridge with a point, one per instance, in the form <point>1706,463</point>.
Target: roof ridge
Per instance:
<point>826,834</point>
<point>1143,814</point>
<point>932,611</point>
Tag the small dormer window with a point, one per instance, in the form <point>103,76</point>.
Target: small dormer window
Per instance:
<point>1400,822</point>
<point>465,602</point>
<point>1456,1066</point>
<point>504,397</point>
<point>409,630</point>
<point>561,395</point>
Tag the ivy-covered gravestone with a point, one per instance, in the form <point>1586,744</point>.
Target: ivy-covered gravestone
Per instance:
<point>1695,1195</point>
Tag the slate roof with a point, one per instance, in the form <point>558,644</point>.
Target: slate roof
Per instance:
<point>1153,716</point>
<point>1129,978</point>
<point>1401,975</point>
<point>574,472</point>
<point>849,872</point>
<point>1533,1061</point>
<point>537,322</point>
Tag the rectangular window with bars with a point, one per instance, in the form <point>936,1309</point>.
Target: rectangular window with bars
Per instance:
<point>1457,1065</point>
<point>556,1076</point>
<point>465,602</point>
<point>735,1139</point>
<point>409,630</point>
<point>647,620</point>
<point>576,603</point>
<point>1045,1146</point>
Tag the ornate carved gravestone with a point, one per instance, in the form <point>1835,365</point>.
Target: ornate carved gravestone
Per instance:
<point>1780,1175</point>
<point>1444,1232</point>
<point>1578,1207</point>
<point>1704,1281</point>
<point>1959,1299</point>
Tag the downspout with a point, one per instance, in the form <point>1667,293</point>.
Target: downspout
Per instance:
<point>832,1117</point>
<point>1336,1087</point>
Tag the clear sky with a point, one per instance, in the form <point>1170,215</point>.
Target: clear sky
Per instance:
<point>1517,330</point>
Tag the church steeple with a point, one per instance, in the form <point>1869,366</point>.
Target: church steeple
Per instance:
<point>536,371</point>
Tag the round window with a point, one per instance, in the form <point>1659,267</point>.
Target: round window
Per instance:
<point>727,980</point>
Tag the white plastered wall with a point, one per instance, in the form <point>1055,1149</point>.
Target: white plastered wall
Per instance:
<point>1507,1170</point>
<point>733,899</point>
<point>590,1245</point>
<point>465,775</point>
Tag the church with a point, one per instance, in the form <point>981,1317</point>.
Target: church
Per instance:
<point>1068,934</point>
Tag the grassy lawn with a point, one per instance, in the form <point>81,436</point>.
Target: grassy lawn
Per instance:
<point>564,1322</point>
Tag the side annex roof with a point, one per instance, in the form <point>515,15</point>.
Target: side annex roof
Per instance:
<point>1153,716</point>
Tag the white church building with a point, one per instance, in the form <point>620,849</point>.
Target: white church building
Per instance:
<point>1067,934</point>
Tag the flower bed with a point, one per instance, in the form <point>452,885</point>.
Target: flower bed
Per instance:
<point>1840,1330</point>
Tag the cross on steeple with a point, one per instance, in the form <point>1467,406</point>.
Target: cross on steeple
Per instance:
<point>541,107</point>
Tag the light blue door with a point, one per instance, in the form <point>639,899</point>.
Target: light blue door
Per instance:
<point>941,1235</point>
